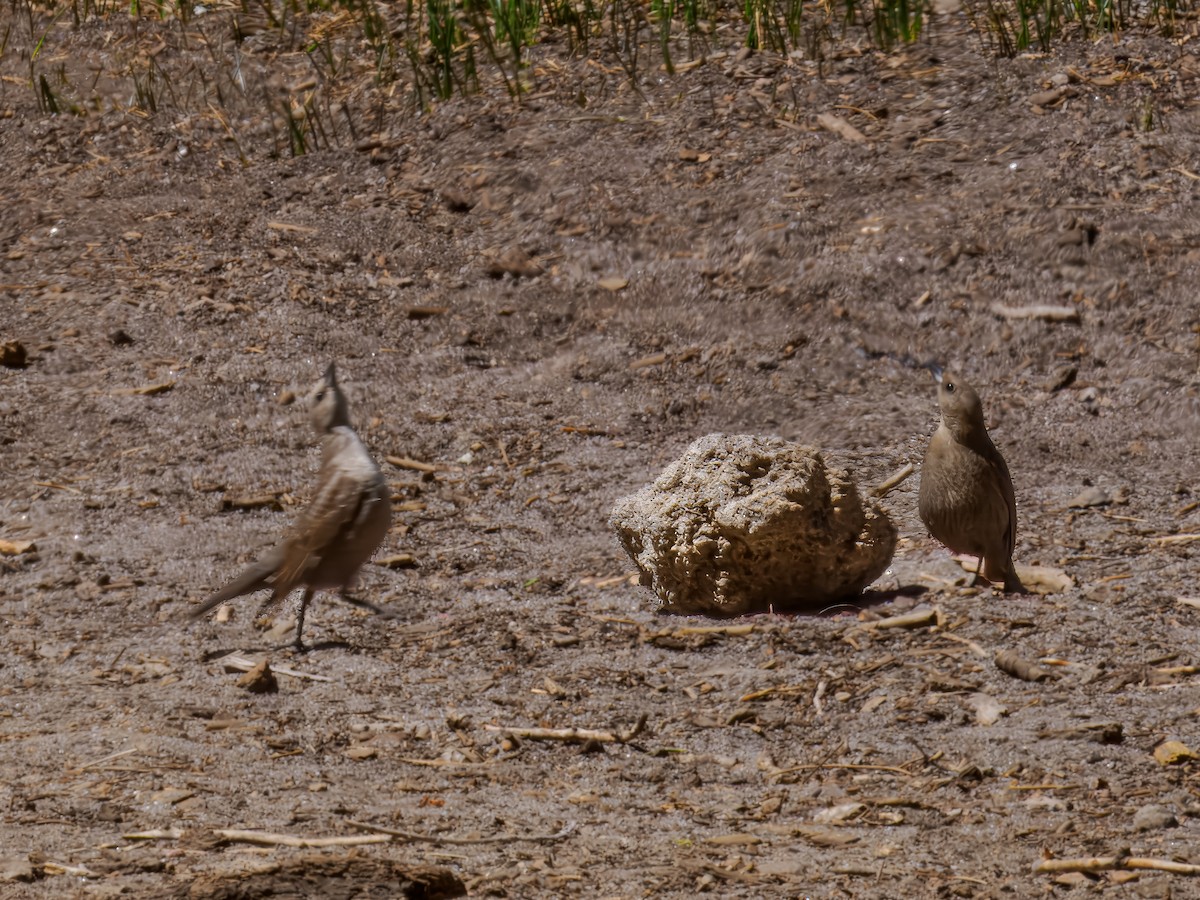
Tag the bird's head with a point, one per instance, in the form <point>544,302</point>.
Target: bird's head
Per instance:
<point>961,408</point>
<point>327,405</point>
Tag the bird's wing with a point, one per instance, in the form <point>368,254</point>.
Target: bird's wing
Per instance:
<point>1003,484</point>
<point>325,524</point>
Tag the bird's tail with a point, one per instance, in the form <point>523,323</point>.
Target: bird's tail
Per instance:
<point>254,578</point>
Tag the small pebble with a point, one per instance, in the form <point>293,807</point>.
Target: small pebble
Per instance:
<point>1153,818</point>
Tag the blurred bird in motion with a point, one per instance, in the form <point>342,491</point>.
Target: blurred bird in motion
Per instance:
<point>339,530</point>
<point>966,498</point>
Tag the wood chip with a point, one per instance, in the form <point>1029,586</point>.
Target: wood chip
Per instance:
<point>1044,313</point>
<point>918,618</point>
<point>397,561</point>
<point>513,261</point>
<point>835,815</point>
<point>1064,377</point>
<point>148,390</point>
<point>735,840</point>
<point>1009,662</point>
<point>252,501</point>
<point>16,548</point>
<point>1094,732</point>
<point>1172,753</point>
<point>841,128</point>
<point>654,359</point>
<point>1052,96</point>
<point>729,630</point>
<point>826,837</point>
<point>289,228</point>
<point>613,284</point>
<point>1044,579</point>
<point>259,680</point>
<point>171,796</point>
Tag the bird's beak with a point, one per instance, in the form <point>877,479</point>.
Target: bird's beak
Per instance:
<point>936,371</point>
<point>331,375</point>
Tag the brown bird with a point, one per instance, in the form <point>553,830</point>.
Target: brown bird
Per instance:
<point>966,497</point>
<point>339,530</point>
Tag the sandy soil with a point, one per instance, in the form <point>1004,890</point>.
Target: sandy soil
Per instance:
<point>703,256</point>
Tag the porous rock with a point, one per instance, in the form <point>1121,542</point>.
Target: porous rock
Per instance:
<point>743,524</point>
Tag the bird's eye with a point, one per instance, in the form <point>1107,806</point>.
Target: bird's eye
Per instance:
<point>320,395</point>
<point>949,387</point>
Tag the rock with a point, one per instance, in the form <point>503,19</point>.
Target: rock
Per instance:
<point>743,524</point>
<point>13,355</point>
<point>1090,496</point>
<point>1153,818</point>
<point>16,868</point>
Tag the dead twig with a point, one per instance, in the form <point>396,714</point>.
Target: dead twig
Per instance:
<point>851,767</point>
<point>571,735</point>
<point>1177,539</point>
<point>269,839</point>
<point>105,759</point>
<point>1172,671</point>
<point>884,487</point>
<point>564,832</point>
<point>155,834</point>
<point>817,695</point>
<point>447,763</point>
<point>235,663</point>
<point>1108,863</point>
<point>266,838</point>
<point>404,462</point>
<point>973,646</point>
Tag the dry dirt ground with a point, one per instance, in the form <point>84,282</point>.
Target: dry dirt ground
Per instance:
<point>704,255</point>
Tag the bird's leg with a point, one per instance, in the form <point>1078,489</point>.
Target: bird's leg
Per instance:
<point>304,601</point>
<point>1012,582</point>
<point>978,578</point>
<point>365,604</point>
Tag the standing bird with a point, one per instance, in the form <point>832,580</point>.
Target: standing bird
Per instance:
<point>342,526</point>
<point>966,498</point>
